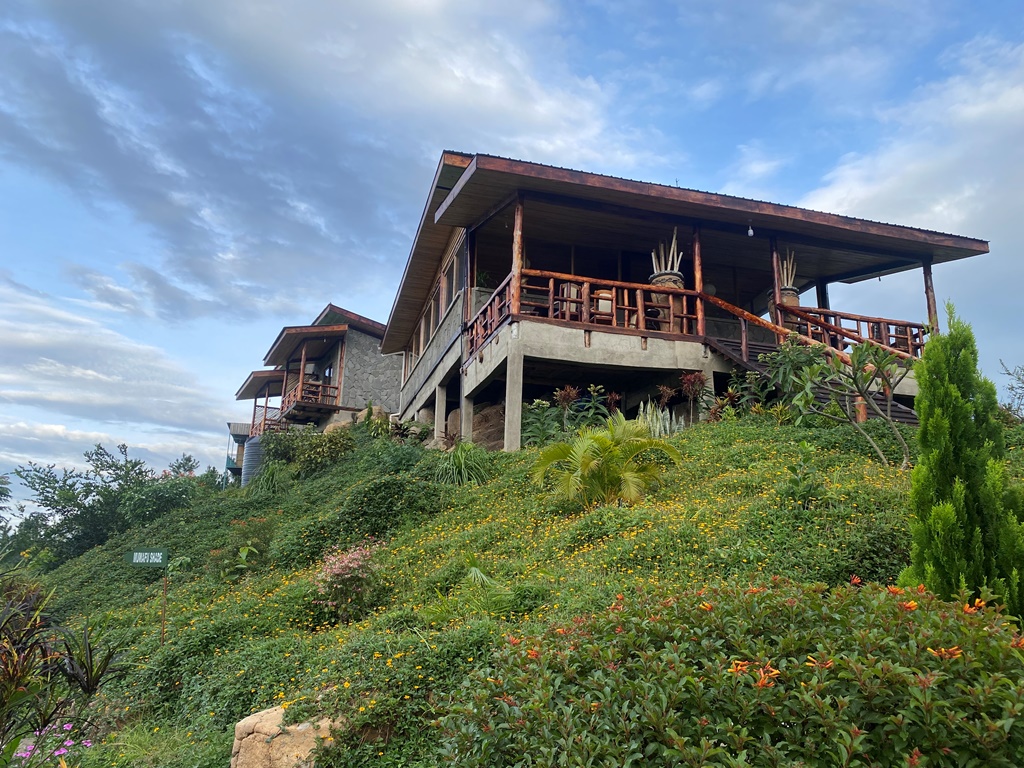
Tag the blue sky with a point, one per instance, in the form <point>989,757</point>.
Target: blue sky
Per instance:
<point>180,179</point>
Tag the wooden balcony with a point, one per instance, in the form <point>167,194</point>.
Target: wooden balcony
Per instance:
<point>309,400</point>
<point>583,302</point>
<point>662,311</point>
<point>266,419</point>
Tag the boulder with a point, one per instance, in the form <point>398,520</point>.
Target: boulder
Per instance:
<point>378,413</point>
<point>454,425</point>
<point>261,741</point>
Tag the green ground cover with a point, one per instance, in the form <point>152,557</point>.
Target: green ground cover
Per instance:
<point>460,570</point>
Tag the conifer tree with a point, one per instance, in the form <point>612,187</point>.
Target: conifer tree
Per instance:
<point>966,532</point>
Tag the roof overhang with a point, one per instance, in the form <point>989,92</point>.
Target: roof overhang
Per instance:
<point>318,340</point>
<point>468,189</point>
<point>335,315</point>
<point>427,248</point>
<point>489,179</point>
<point>261,384</point>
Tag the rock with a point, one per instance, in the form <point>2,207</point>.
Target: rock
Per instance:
<point>454,425</point>
<point>378,412</point>
<point>489,426</point>
<point>262,742</point>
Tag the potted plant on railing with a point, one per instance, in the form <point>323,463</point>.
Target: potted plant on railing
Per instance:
<point>789,293</point>
<point>665,262</point>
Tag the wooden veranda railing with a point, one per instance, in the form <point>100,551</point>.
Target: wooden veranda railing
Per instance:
<point>840,330</point>
<point>584,301</point>
<point>491,316</point>
<point>265,419</point>
<point>309,393</point>
<point>641,308</point>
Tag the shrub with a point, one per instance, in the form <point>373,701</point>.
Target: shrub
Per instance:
<point>322,449</point>
<point>247,547</point>
<point>309,450</point>
<point>48,673</point>
<point>802,486</point>
<point>346,581</point>
<point>463,464</point>
<point>780,674</point>
<point>604,465</point>
<point>378,506</point>
<point>273,477</point>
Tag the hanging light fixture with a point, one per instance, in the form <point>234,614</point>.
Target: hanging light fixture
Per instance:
<point>750,230</point>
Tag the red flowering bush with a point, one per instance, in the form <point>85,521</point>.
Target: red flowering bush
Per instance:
<point>781,674</point>
<point>346,581</point>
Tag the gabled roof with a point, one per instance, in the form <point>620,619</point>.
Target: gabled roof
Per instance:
<point>335,315</point>
<point>469,188</point>
<point>318,339</point>
<point>261,384</point>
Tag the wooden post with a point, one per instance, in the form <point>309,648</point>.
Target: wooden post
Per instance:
<point>516,286</point>
<point>698,279</point>
<point>929,295</point>
<point>302,373</point>
<point>341,367</point>
<point>255,400</point>
<point>776,282</point>
<point>821,287</point>
<point>266,406</point>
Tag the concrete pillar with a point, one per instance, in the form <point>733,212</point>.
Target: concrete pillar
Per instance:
<point>440,411</point>
<point>513,398</point>
<point>466,419</point>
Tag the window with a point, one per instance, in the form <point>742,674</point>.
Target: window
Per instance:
<point>449,282</point>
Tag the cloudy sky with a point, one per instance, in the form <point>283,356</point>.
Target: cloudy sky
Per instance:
<point>180,178</point>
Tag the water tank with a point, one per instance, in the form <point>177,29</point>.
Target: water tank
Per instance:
<point>252,459</point>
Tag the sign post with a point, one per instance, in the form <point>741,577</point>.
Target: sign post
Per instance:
<point>153,558</point>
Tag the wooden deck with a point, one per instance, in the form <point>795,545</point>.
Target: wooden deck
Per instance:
<point>648,310</point>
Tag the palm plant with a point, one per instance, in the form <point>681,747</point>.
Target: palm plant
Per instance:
<point>604,465</point>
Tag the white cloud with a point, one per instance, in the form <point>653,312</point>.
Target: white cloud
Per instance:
<point>954,162</point>
<point>69,364</point>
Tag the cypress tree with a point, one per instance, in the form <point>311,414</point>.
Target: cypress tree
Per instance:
<point>965,527</point>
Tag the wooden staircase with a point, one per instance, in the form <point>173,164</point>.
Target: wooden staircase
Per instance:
<point>732,350</point>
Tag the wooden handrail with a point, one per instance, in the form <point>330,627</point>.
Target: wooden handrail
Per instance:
<point>545,293</point>
<point>802,313</point>
<point>778,330</point>
<point>315,392</point>
<point>490,317</point>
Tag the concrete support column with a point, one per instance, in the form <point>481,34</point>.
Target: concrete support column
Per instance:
<point>440,410</point>
<point>466,419</point>
<point>513,398</point>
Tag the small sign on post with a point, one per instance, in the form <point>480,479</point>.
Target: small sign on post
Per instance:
<point>151,557</point>
<point>154,558</point>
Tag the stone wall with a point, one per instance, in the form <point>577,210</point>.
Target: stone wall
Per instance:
<point>368,375</point>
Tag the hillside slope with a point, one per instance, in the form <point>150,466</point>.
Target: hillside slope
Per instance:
<point>458,569</point>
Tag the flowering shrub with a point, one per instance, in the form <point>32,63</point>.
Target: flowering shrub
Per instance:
<point>346,581</point>
<point>51,744</point>
<point>780,674</point>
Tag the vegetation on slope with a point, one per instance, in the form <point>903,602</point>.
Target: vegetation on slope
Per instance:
<point>459,569</point>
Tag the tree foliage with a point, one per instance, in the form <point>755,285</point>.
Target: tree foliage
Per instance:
<point>606,465</point>
<point>965,528</point>
<point>74,510</point>
<point>815,383</point>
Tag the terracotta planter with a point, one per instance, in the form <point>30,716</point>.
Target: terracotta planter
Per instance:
<point>669,280</point>
<point>790,298</point>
